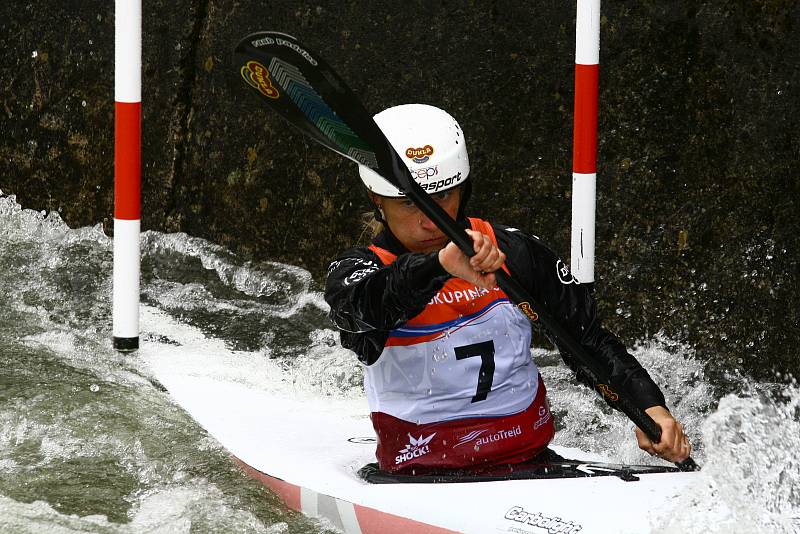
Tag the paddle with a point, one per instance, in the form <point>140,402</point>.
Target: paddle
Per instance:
<point>303,89</point>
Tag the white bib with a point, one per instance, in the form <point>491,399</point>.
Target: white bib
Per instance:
<point>467,354</point>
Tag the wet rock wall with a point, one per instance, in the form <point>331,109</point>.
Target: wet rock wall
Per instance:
<point>698,194</point>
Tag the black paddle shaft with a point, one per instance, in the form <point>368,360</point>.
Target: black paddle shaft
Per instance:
<point>306,92</point>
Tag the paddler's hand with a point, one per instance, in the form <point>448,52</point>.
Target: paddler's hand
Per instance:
<point>480,268</point>
<point>674,445</point>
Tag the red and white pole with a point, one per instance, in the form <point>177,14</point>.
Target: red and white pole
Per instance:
<point>584,148</point>
<point>127,171</point>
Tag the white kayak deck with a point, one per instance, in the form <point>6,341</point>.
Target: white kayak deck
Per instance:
<point>308,442</point>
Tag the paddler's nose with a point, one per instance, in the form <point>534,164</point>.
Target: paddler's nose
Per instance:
<point>426,223</point>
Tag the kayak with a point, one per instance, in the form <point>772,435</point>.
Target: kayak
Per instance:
<point>317,454</point>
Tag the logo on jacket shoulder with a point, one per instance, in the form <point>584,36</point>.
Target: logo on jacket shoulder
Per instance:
<point>363,267</point>
<point>563,273</point>
<point>416,448</point>
<point>359,275</point>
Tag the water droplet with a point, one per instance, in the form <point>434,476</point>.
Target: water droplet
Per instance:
<point>429,391</point>
<point>94,388</point>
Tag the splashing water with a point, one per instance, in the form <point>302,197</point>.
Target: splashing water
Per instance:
<point>750,480</point>
<point>90,443</point>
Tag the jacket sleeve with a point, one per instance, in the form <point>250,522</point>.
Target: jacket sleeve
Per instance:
<point>552,286</point>
<point>369,299</point>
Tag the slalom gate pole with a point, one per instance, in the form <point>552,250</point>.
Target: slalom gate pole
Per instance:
<point>127,172</point>
<point>584,148</point>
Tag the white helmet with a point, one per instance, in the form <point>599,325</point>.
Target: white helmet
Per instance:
<point>431,144</point>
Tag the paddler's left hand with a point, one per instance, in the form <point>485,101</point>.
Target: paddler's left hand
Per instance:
<point>480,268</point>
<point>674,445</point>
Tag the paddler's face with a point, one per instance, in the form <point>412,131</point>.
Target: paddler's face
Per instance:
<point>409,225</point>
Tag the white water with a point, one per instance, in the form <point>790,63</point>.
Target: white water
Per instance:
<point>89,444</point>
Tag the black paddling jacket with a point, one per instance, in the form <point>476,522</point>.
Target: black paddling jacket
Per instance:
<point>368,299</point>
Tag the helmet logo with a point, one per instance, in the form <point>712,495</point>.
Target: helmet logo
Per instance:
<point>257,76</point>
<point>425,174</point>
<point>444,183</point>
<point>420,155</point>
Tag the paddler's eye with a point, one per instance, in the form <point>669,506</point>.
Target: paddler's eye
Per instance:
<point>441,197</point>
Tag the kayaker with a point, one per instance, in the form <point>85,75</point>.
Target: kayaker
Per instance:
<point>448,371</point>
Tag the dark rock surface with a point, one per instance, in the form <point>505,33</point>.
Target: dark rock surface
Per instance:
<point>698,193</point>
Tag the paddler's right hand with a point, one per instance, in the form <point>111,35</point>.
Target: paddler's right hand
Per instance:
<point>480,268</point>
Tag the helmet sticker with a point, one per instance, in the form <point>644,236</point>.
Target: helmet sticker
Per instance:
<point>432,187</point>
<point>419,155</point>
<point>425,173</point>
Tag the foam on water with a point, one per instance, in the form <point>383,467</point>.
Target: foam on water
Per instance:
<point>585,421</point>
<point>192,505</point>
<point>89,443</point>
<point>750,480</point>
<point>276,282</point>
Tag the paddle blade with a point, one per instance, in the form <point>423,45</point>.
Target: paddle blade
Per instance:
<point>305,91</point>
